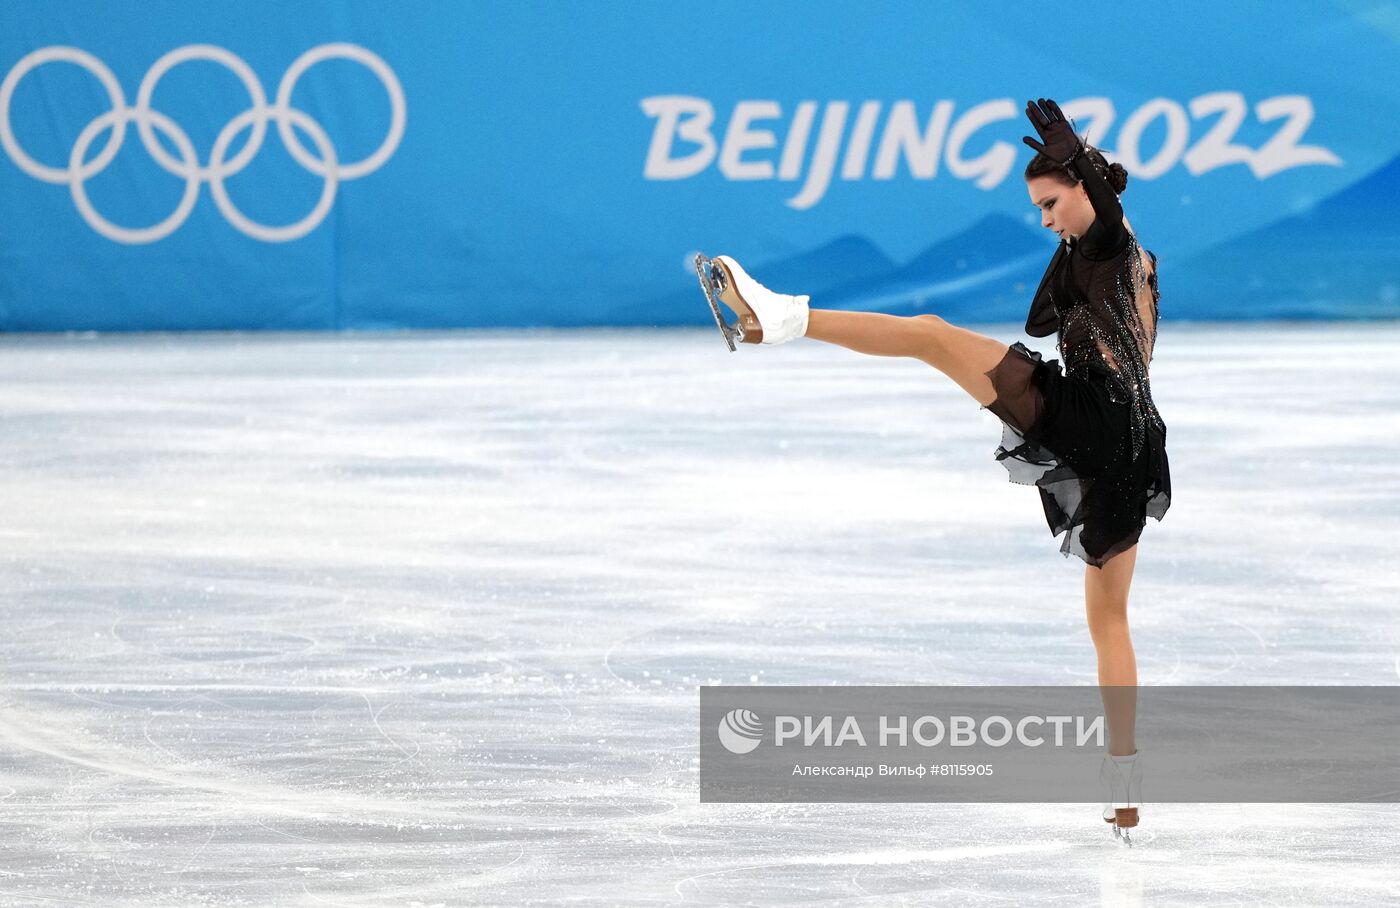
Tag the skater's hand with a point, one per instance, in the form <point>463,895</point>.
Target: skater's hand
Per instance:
<point>1060,142</point>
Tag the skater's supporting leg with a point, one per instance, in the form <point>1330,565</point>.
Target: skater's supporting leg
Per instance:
<point>964,356</point>
<point>1106,604</point>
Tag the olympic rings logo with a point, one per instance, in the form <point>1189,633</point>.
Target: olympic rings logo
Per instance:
<point>220,167</point>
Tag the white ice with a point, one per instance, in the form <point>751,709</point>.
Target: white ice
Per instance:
<point>421,619</point>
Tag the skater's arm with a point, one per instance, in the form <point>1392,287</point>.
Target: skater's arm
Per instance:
<point>1107,209</point>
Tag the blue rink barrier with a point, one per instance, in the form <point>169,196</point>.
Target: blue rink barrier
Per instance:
<point>170,165</point>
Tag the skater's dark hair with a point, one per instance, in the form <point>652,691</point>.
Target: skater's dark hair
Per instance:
<point>1115,173</point>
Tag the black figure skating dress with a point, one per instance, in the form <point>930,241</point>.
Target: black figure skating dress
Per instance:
<point>1090,436</point>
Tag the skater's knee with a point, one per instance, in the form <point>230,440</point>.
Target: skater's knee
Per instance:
<point>1108,626</point>
<point>933,327</point>
<point>1107,618</point>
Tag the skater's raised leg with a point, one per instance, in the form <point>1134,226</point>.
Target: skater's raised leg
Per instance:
<point>768,317</point>
<point>964,356</point>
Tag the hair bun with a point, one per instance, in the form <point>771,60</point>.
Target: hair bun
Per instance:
<point>1117,177</point>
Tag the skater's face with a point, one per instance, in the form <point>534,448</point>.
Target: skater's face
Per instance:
<point>1064,210</point>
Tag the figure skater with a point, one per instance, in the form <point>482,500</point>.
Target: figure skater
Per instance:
<point>1088,437</point>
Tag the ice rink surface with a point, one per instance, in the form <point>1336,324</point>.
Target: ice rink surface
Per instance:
<point>421,619</point>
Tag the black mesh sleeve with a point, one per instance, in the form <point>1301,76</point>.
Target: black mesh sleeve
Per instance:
<point>1043,320</point>
<point>1107,211</point>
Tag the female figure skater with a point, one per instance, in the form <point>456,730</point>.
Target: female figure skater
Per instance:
<point>1090,437</point>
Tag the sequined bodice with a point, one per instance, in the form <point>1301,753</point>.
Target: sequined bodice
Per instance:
<point>1105,304</point>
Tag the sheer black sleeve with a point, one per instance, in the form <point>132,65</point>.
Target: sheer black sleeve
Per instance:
<point>1108,213</point>
<point>1043,320</point>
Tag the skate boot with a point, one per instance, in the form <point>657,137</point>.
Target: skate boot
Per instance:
<point>765,317</point>
<point>1121,778</point>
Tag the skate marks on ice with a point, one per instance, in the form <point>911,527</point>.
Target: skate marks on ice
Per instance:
<point>1051,854</point>
<point>46,733</point>
<point>364,620</point>
<point>694,885</point>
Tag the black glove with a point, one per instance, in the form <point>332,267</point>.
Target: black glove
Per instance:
<point>1061,144</point>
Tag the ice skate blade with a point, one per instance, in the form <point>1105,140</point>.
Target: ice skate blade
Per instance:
<point>750,331</point>
<point>1122,820</point>
<point>709,275</point>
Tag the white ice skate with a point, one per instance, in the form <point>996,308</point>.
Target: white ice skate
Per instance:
<point>765,317</point>
<point>1121,778</point>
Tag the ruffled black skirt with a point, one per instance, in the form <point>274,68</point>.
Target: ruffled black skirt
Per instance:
<point>1067,436</point>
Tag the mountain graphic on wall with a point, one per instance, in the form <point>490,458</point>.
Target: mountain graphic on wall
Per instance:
<point>1339,258</point>
<point>985,273</point>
